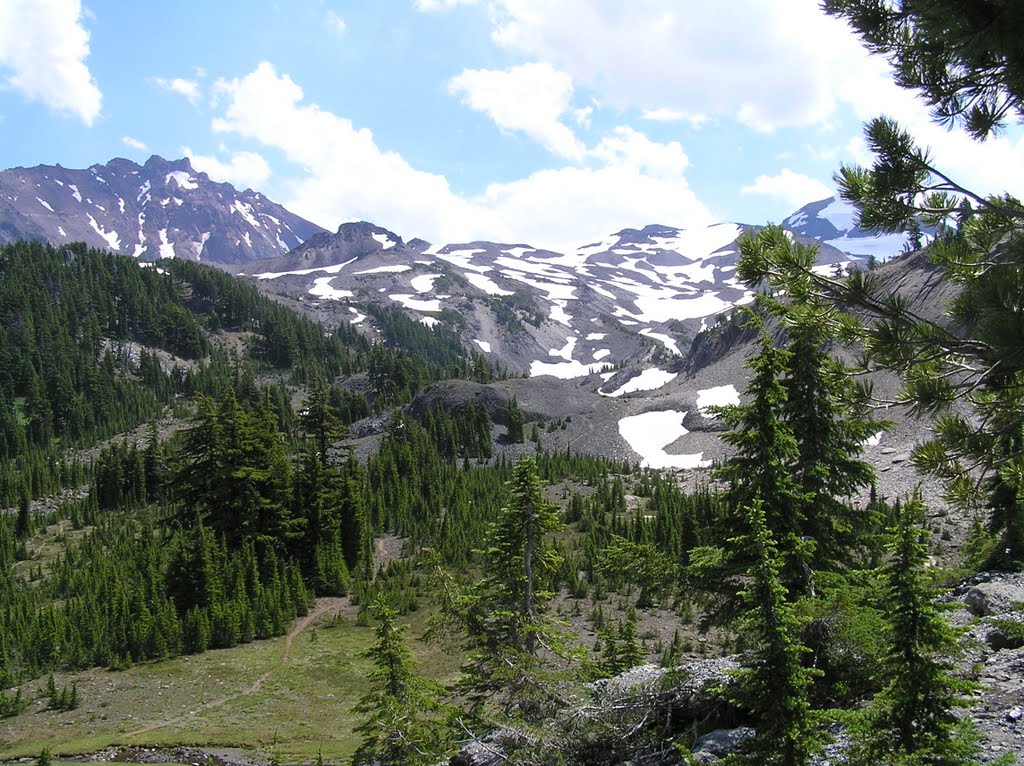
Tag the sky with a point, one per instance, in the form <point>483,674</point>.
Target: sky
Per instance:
<point>546,122</point>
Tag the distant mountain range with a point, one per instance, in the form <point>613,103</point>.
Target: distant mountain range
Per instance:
<point>636,296</point>
<point>158,210</point>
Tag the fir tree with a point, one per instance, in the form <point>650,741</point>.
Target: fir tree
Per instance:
<point>914,715</point>
<point>773,683</point>
<point>405,724</point>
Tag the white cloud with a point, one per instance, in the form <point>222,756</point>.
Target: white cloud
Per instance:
<point>776,61</point>
<point>343,175</point>
<point>530,98</point>
<point>440,5</point>
<point>44,45</point>
<point>187,88</point>
<point>242,169</point>
<point>667,114</point>
<point>335,23</point>
<point>795,189</point>
<point>134,143</point>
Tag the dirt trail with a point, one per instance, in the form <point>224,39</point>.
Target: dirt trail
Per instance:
<point>323,608</point>
<point>387,549</point>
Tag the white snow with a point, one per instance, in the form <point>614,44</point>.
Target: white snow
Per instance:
<point>143,191</point>
<point>74,192</point>
<point>667,340</point>
<point>60,230</point>
<point>483,345</point>
<point>385,241</point>
<point>565,351</point>
<point>486,284</point>
<point>717,396</point>
<point>322,289</point>
<point>840,214</point>
<point>648,380</point>
<point>244,210</point>
<point>601,354</point>
<point>45,204</point>
<point>874,441</point>
<point>333,269</point>
<point>166,248</point>
<point>601,291</point>
<point>429,321</point>
<point>198,246</point>
<point>596,336</point>
<point>181,178</point>
<point>112,237</point>
<point>424,283</point>
<point>395,269</point>
<point>58,182</point>
<point>559,314</point>
<point>564,370</point>
<point>882,246</point>
<point>606,376</point>
<point>120,205</point>
<point>648,435</point>
<point>419,305</point>
<point>359,317</point>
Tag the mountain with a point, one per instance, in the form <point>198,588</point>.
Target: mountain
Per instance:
<point>636,295</point>
<point>160,209</point>
<point>832,222</point>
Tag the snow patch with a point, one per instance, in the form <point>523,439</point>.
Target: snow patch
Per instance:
<point>596,336</point>
<point>166,248</point>
<point>486,284</point>
<point>648,380</point>
<point>74,192</point>
<point>358,318</point>
<point>322,289</point>
<point>385,241</point>
<point>601,354</point>
<point>667,340</point>
<point>418,305</point>
<point>182,179</point>
<point>429,321</point>
<point>333,269</point>
<point>565,351</point>
<point>564,370</point>
<point>395,269</point>
<point>718,396</point>
<point>484,345</point>
<point>60,230</point>
<point>424,283</point>
<point>648,435</point>
<point>45,204</point>
<point>112,237</point>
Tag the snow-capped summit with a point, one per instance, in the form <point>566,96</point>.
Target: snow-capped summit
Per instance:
<point>833,221</point>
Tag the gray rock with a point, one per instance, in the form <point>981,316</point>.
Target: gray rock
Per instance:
<point>722,742</point>
<point>996,596</point>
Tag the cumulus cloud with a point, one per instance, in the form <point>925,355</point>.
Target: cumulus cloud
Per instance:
<point>241,169</point>
<point>530,98</point>
<point>795,189</point>
<point>187,88</point>
<point>133,143</point>
<point>773,64</point>
<point>343,175</point>
<point>44,46</point>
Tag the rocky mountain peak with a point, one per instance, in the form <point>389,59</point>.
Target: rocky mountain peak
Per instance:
<point>161,209</point>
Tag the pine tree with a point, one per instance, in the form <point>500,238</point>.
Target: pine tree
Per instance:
<point>514,420</point>
<point>760,471</point>
<point>405,724</point>
<point>914,715</point>
<point>773,683</point>
<point>963,57</point>
<point>964,60</point>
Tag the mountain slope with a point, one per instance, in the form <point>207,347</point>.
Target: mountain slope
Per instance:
<point>157,210</point>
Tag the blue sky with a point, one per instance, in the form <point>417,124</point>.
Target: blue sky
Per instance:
<point>551,122</point>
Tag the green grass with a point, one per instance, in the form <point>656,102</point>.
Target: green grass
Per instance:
<point>244,697</point>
